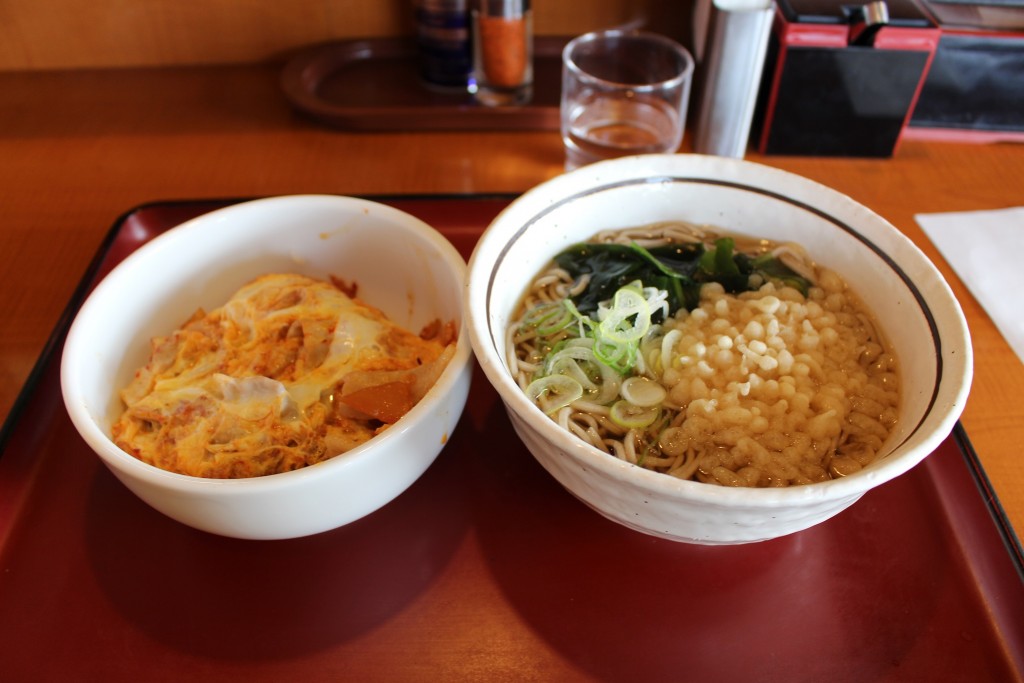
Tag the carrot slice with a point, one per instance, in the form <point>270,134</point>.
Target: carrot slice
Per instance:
<point>385,402</point>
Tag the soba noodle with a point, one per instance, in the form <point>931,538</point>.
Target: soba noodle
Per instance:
<point>765,387</point>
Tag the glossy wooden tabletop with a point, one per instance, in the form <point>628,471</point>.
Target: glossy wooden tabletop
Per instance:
<point>78,149</point>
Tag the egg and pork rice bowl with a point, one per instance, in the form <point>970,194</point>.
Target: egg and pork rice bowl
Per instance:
<point>289,372</point>
<point>706,356</point>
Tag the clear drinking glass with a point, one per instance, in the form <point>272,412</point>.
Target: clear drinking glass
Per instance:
<point>623,93</point>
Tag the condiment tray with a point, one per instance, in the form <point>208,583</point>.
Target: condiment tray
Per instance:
<point>374,84</point>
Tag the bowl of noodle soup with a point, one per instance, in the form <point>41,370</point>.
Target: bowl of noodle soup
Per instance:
<point>730,404</point>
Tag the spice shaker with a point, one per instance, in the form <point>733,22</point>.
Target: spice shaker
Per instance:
<point>502,52</point>
<point>443,39</point>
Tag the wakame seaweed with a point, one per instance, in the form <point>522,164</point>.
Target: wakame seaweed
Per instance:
<point>679,269</point>
<point>613,266</point>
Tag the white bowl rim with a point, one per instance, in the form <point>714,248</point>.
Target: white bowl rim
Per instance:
<point>661,168</point>
<point>109,452</point>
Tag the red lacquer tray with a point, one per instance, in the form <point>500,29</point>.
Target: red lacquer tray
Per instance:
<point>485,569</point>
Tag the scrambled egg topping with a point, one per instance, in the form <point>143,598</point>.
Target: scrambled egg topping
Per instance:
<point>289,372</point>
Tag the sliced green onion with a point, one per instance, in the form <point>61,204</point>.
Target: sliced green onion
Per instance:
<point>610,352</point>
<point>540,313</point>
<point>624,322</point>
<point>602,382</point>
<point>629,416</point>
<point>554,392</point>
<point>585,323</point>
<point>548,318</point>
<point>629,317</point>
<point>574,352</point>
<point>568,366</point>
<point>585,342</point>
<point>617,356</point>
<point>611,345</point>
<point>643,392</point>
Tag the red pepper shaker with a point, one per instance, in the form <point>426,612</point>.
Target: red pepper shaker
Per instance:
<point>502,52</point>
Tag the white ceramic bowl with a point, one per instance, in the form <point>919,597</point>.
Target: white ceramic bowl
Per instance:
<point>402,266</point>
<point>912,302</point>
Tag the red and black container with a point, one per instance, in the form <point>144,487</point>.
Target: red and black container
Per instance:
<point>975,86</point>
<point>842,79</point>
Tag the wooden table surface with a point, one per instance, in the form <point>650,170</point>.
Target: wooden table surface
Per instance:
<point>77,149</point>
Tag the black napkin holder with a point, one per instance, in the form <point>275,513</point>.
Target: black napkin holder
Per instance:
<point>974,91</point>
<point>841,79</point>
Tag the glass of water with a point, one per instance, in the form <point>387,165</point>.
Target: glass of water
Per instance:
<point>623,93</point>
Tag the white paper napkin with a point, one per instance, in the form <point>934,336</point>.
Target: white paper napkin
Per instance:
<point>984,248</point>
